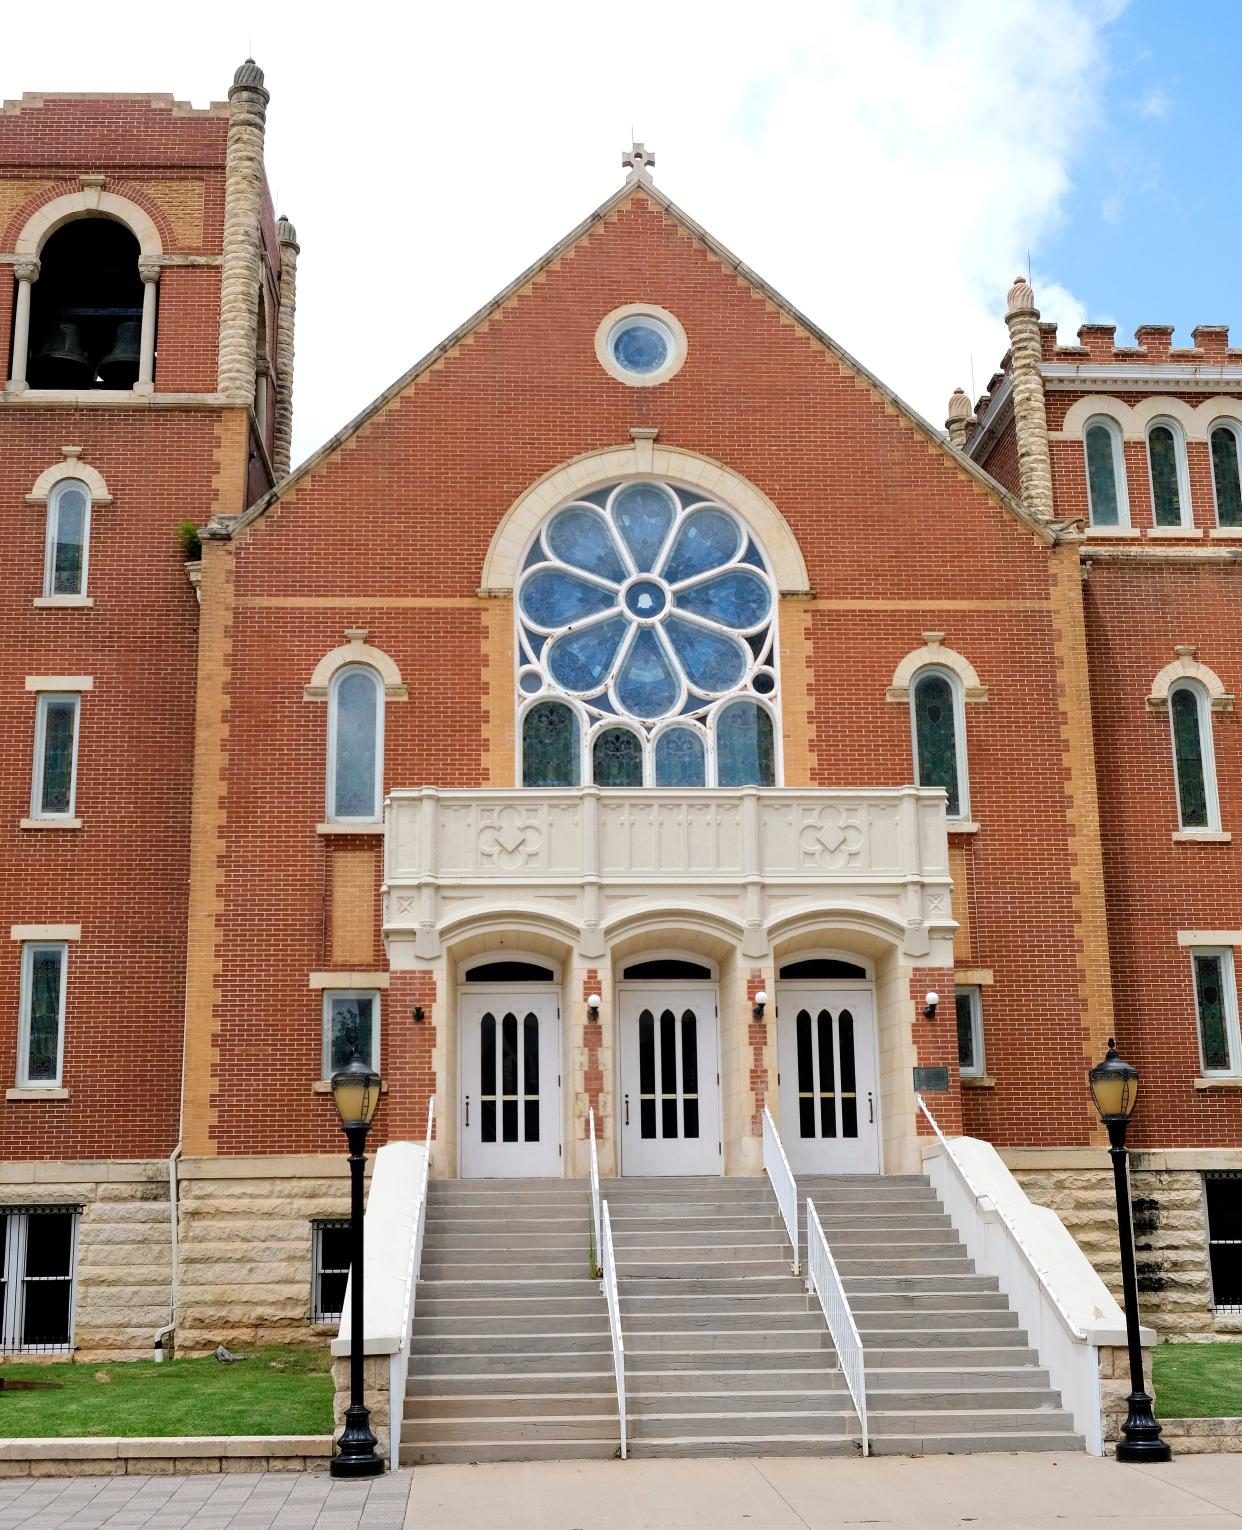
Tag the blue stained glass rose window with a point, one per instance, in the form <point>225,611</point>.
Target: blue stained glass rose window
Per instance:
<point>641,344</point>
<point>645,602</point>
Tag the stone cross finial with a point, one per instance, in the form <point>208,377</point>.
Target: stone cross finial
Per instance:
<point>638,160</point>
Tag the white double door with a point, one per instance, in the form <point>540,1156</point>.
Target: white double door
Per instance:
<point>670,1079</point>
<point>510,1070</point>
<point>826,1056</point>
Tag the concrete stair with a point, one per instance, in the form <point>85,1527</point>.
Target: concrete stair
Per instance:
<point>726,1353</point>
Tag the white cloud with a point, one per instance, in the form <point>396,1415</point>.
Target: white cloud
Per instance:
<point>887,164</point>
<point>1155,104</point>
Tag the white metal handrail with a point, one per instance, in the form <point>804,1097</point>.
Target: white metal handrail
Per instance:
<point>980,1199</point>
<point>824,1279</point>
<point>609,1265</point>
<point>399,1366</point>
<point>596,1256</point>
<point>776,1166</point>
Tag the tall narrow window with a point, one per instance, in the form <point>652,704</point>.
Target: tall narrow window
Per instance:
<point>41,1031</point>
<point>939,752</point>
<point>1106,491</point>
<point>1216,1010</point>
<point>37,1265</point>
<point>55,756</point>
<point>745,746</point>
<point>350,1029</point>
<point>68,529</point>
<point>617,758</point>
<point>1193,770</point>
<point>1226,479</point>
<point>1166,459</point>
<point>551,747</point>
<point>969,1032</point>
<point>355,744</point>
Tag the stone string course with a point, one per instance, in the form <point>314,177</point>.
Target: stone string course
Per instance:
<point>164,1457</point>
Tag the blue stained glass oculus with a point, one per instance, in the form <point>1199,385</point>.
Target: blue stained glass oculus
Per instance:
<point>644,601</point>
<point>641,345</point>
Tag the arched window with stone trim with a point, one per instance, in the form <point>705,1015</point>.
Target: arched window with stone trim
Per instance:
<point>938,725</point>
<point>1166,465</point>
<point>67,540</point>
<point>1225,441</point>
<point>1106,473</point>
<point>1194,768</point>
<point>646,613</point>
<point>355,744</point>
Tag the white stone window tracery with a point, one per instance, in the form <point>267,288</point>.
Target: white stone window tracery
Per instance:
<point>646,616</point>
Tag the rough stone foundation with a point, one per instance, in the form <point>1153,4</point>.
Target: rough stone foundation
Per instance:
<point>376,1371</point>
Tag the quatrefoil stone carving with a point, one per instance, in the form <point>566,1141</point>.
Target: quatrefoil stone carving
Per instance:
<point>830,841</point>
<point>511,841</point>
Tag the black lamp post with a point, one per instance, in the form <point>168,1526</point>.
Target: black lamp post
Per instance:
<point>356,1094</point>
<point>1114,1088</point>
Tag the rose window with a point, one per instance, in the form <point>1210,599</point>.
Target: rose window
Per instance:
<point>646,626</point>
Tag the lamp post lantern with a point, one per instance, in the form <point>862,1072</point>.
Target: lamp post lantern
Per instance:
<point>356,1093</point>
<point>1114,1088</point>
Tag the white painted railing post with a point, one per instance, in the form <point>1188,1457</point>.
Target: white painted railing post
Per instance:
<point>609,1264</point>
<point>825,1280</point>
<point>597,1258</point>
<point>776,1166</point>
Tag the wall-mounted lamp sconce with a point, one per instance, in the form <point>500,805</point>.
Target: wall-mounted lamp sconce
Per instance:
<point>419,1013</point>
<point>761,1000</point>
<point>930,1001</point>
<point>593,1002</point>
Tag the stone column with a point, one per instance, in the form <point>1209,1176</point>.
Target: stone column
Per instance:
<point>243,213</point>
<point>282,427</point>
<point>1030,419</point>
<point>27,273</point>
<point>958,422</point>
<point>149,270</point>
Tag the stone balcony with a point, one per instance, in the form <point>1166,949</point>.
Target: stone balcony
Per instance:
<point>581,861</point>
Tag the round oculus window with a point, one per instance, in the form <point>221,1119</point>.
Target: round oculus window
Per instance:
<point>641,345</point>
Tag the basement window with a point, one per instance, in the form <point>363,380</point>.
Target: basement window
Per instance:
<point>329,1270</point>
<point>1223,1193</point>
<point>38,1246</point>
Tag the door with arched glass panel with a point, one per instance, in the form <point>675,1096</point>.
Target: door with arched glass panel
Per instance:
<point>670,1080</point>
<point>830,1117</point>
<point>510,1082</point>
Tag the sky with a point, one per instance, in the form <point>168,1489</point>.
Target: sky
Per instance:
<point>888,165</point>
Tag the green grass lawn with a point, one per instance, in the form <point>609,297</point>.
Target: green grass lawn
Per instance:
<point>277,1389</point>
<point>1198,1380</point>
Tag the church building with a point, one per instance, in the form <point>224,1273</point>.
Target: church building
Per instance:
<point>637,717</point>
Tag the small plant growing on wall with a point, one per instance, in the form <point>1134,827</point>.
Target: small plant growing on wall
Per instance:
<point>187,535</point>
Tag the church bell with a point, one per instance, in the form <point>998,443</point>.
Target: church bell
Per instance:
<point>119,368</point>
<point>61,362</point>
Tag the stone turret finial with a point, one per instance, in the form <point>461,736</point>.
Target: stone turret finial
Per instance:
<point>960,416</point>
<point>1021,297</point>
<point>286,233</point>
<point>638,160</point>
<point>248,75</point>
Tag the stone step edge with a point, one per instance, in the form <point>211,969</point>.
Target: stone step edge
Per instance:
<point>140,1447</point>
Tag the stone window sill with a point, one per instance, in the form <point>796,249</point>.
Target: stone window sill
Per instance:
<point>36,1094</point>
<point>1174,531</point>
<point>1201,837</point>
<point>50,823</point>
<point>984,1081</point>
<point>963,826</point>
<point>1112,531</point>
<point>63,602</point>
<point>1219,1082</point>
<point>349,828</point>
<point>1226,533</point>
<point>324,1086</point>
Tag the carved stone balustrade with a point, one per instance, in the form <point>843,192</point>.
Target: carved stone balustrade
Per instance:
<point>584,862</point>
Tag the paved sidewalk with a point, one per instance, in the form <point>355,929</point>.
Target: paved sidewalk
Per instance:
<point>235,1501</point>
<point>1006,1492</point>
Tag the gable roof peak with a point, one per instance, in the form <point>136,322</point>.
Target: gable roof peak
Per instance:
<point>638,160</point>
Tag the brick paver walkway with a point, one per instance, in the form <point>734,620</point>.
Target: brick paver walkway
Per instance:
<point>235,1501</point>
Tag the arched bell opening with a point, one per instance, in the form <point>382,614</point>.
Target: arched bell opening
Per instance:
<point>86,309</point>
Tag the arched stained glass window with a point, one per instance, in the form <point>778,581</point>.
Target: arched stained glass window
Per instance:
<point>68,524</point>
<point>745,750</point>
<point>1166,459</point>
<point>1226,479</point>
<point>648,602</point>
<point>617,758</point>
<point>355,744</point>
<point>1190,718</point>
<point>1105,474</point>
<point>939,755</point>
<point>681,758</point>
<point>551,746</point>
